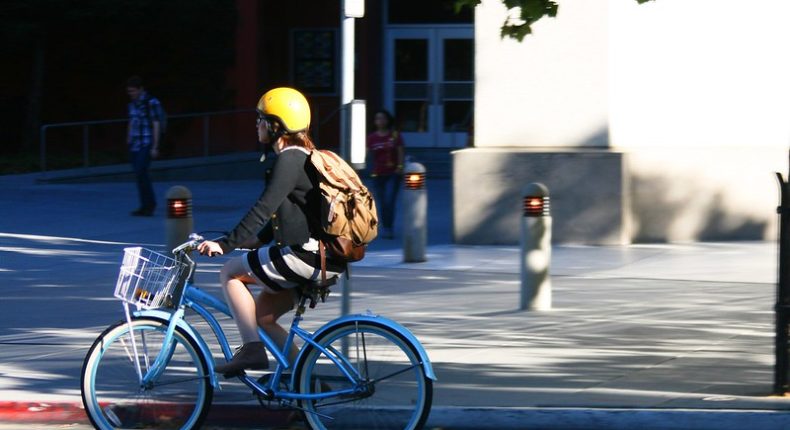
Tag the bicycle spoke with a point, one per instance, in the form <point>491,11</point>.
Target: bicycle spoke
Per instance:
<point>196,378</point>
<point>113,398</point>
<point>394,373</point>
<point>145,352</point>
<point>129,353</point>
<point>365,357</point>
<point>390,390</point>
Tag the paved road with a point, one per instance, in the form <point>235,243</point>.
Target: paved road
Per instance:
<point>681,334</point>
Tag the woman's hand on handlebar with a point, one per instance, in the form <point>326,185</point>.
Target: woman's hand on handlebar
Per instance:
<point>210,248</point>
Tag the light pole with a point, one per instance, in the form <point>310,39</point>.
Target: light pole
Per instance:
<point>350,113</point>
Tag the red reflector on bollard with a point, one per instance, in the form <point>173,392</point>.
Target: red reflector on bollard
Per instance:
<point>414,181</point>
<point>179,208</point>
<point>536,206</point>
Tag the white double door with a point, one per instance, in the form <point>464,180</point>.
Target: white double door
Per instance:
<point>429,83</point>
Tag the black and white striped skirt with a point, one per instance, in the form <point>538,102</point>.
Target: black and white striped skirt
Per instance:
<point>277,268</point>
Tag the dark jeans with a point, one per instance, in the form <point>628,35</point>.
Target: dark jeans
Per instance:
<point>386,189</point>
<point>141,161</point>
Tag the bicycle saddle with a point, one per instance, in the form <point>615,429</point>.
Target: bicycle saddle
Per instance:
<point>316,290</point>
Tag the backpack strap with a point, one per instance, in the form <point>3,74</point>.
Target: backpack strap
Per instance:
<point>322,252</point>
<point>352,182</point>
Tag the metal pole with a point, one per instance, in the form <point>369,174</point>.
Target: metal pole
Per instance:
<point>347,78</point>
<point>782,292</point>
<point>346,95</point>
<point>85,150</point>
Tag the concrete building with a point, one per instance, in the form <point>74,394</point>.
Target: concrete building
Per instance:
<point>656,122</point>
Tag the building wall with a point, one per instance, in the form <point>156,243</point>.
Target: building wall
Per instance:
<point>587,192</point>
<point>694,93</point>
<point>549,90</point>
<point>700,98</point>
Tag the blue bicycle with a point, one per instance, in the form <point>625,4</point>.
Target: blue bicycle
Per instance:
<point>154,370</point>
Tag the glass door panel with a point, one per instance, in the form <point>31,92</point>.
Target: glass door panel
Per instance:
<point>412,88</point>
<point>412,116</point>
<point>457,88</point>
<point>459,60</point>
<point>411,59</point>
<point>429,83</point>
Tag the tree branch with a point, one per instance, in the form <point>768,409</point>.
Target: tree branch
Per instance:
<point>530,11</point>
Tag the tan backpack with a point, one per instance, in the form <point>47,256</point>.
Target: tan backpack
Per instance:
<point>348,212</point>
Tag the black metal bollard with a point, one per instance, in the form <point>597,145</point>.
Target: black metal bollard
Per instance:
<point>782,307</point>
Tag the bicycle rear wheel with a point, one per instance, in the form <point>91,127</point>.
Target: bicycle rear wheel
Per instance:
<point>114,398</point>
<point>393,391</point>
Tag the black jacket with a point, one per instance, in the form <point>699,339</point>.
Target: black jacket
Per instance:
<point>288,211</point>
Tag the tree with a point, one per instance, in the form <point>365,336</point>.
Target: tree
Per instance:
<point>530,12</point>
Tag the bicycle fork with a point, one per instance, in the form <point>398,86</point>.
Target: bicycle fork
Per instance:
<point>152,371</point>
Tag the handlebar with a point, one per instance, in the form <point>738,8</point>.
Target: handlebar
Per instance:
<point>190,245</point>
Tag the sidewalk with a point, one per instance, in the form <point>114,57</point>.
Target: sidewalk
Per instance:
<point>648,336</point>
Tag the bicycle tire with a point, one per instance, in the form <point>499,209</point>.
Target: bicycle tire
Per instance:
<point>393,401</point>
<point>109,368</point>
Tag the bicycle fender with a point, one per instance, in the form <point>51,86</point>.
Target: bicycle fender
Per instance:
<point>426,362</point>
<point>204,349</point>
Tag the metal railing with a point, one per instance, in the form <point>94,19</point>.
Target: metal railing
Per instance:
<point>206,119</point>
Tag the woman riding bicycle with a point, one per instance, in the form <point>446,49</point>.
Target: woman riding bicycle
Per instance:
<point>288,213</point>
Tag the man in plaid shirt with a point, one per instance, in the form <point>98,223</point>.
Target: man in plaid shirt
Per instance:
<point>143,133</point>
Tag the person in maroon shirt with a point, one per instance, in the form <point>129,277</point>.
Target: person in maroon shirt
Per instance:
<point>386,148</point>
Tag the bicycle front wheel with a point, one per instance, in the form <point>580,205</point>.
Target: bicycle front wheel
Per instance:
<point>390,388</point>
<point>112,393</point>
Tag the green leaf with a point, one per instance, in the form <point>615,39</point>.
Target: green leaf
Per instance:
<point>517,32</point>
<point>460,4</point>
<point>531,12</point>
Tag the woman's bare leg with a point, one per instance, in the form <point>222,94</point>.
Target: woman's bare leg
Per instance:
<point>271,306</point>
<point>234,276</point>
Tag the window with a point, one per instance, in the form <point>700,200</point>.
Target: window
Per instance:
<point>315,66</point>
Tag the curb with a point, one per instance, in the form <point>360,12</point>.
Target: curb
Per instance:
<point>468,418</point>
<point>458,418</point>
<point>73,413</point>
<point>42,412</point>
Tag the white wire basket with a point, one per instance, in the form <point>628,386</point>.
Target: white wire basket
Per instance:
<point>147,278</point>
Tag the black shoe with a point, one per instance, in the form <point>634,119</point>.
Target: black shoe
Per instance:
<point>250,356</point>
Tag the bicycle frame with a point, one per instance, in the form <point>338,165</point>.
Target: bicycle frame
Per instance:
<point>200,302</point>
<point>189,296</point>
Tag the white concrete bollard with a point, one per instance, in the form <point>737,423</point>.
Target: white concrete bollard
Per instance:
<point>415,213</point>
<point>535,249</point>
<point>179,224</point>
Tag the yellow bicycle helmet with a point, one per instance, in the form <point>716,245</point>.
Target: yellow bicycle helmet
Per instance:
<point>288,107</point>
